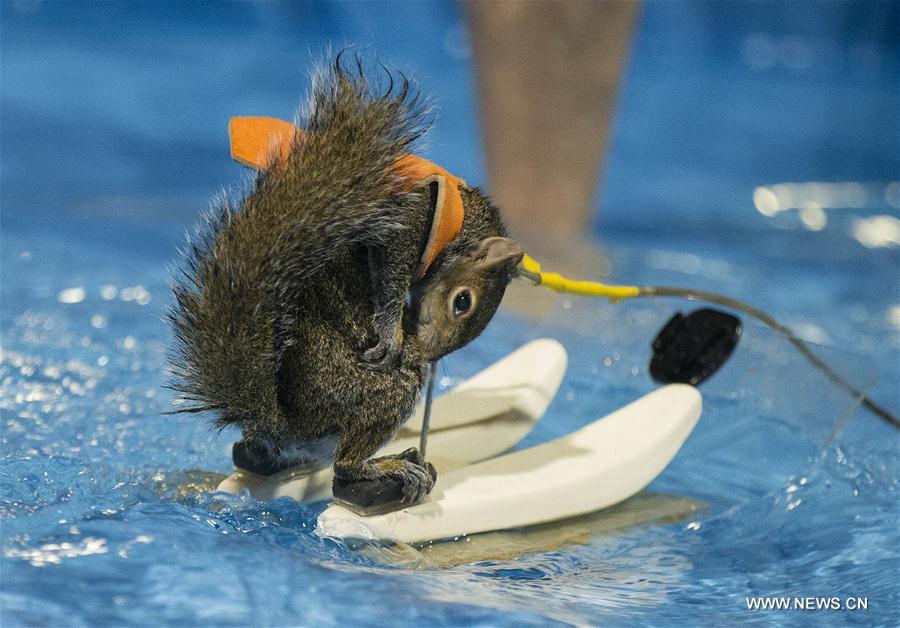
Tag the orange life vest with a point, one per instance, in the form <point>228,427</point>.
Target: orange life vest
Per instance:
<point>258,142</point>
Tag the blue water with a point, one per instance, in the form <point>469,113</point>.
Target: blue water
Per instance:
<point>112,125</point>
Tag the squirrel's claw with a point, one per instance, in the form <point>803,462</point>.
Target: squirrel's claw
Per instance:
<point>379,358</point>
<point>384,355</point>
<point>418,480</point>
<point>418,477</point>
<point>412,455</point>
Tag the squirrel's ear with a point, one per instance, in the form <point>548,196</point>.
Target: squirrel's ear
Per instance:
<point>496,251</point>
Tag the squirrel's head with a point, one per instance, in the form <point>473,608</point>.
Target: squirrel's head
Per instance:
<point>458,297</point>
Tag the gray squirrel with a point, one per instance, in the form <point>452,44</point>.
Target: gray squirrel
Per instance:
<point>299,315</point>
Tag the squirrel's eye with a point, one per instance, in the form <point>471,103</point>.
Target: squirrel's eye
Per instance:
<point>462,302</point>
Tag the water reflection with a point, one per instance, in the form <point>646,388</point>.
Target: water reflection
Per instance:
<point>812,199</point>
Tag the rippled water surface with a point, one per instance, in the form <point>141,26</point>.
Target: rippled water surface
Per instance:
<point>783,490</point>
<point>96,529</point>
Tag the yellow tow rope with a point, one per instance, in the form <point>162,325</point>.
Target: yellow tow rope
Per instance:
<point>530,270</point>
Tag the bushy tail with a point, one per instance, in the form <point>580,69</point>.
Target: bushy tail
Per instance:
<point>337,188</point>
<point>223,346</point>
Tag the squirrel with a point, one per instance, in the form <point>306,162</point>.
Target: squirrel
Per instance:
<point>299,316</point>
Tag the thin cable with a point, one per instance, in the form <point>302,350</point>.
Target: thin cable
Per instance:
<point>530,270</point>
<point>426,417</point>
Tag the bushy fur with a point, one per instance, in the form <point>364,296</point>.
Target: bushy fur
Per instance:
<point>280,298</point>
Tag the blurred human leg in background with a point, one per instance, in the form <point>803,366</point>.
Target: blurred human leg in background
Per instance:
<point>548,74</point>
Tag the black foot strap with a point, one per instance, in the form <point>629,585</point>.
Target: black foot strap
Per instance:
<point>372,497</point>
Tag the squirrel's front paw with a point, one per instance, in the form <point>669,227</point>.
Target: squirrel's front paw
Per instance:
<point>384,355</point>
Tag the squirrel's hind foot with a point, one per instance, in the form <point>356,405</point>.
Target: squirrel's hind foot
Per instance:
<point>417,477</point>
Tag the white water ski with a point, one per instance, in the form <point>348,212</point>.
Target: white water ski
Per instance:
<point>593,468</point>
